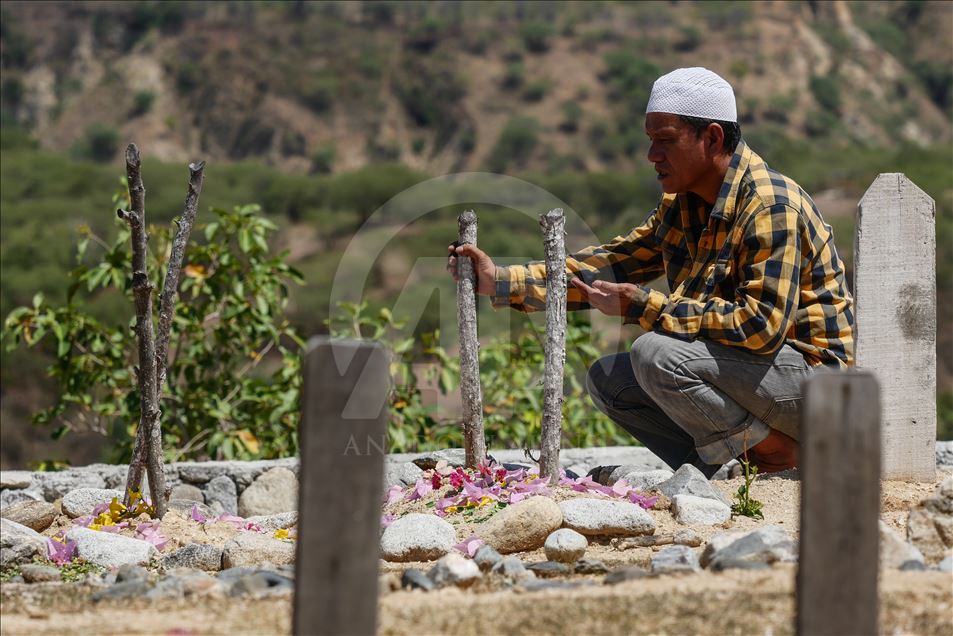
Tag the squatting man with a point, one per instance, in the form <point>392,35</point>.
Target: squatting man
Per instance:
<point>757,297</point>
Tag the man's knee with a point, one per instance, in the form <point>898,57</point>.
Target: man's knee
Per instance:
<point>596,378</point>
<point>650,354</point>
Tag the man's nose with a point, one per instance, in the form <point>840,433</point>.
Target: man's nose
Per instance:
<point>654,155</point>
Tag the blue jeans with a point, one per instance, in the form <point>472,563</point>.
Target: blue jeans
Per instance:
<point>699,403</point>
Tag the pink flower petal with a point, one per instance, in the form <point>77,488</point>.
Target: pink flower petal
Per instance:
<point>386,520</point>
<point>196,515</point>
<point>393,495</point>
<point>469,545</point>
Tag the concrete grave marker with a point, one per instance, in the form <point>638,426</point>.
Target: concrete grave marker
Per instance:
<point>895,303</point>
<point>342,446</point>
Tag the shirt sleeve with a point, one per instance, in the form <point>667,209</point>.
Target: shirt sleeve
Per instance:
<point>634,258</point>
<point>762,311</point>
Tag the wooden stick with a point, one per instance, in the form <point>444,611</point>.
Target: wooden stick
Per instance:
<point>470,390</point>
<point>553,224</point>
<point>149,436</point>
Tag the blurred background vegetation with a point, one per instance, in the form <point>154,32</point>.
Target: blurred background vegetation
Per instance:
<point>321,112</point>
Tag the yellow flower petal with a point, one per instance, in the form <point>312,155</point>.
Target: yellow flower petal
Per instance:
<point>281,533</point>
<point>249,440</point>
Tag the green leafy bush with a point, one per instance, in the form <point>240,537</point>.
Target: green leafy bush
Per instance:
<point>142,102</point>
<point>536,91</point>
<point>826,91</point>
<point>515,145</point>
<point>100,143</point>
<point>219,402</point>
<point>536,36</point>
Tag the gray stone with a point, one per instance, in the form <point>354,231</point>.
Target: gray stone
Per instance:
<point>895,552</point>
<point>33,573</point>
<point>486,557</point>
<point>600,517</point>
<point>728,471</point>
<point>56,485</point>
<point>696,511</point>
<point>565,545</point>
<point>511,569</point>
<point>13,497</point>
<point>114,475</point>
<point>946,565</point>
<point>15,479</point>
<point>221,495</point>
<point>184,507</point>
<point>124,590</point>
<point>270,523</point>
<point>454,569</point>
<point>82,501</point>
<point>533,585</point>
<point>913,566</point>
<point>253,549</point>
<point>455,457</point>
<point>588,565</point>
<point>687,537</point>
<point>272,492</point>
<point>688,480</point>
<point>131,572</point>
<point>401,474</point>
<point>765,545</point>
<point>198,556</point>
<point>645,480</point>
<point>737,564</point>
<point>262,583</point>
<point>417,537</point>
<point>944,455</point>
<point>110,550</point>
<point>621,575</point>
<point>186,583</point>
<point>549,569</point>
<point>188,491</point>
<point>19,544</point>
<point>36,515</point>
<point>521,526</point>
<point>675,559</point>
<point>414,579</point>
<point>719,541</point>
<point>930,524</point>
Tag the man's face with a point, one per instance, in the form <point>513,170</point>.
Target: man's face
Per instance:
<point>683,161</point>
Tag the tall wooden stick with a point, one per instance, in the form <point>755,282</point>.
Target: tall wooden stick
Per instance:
<point>147,453</point>
<point>553,224</point>
<point>470,390</point>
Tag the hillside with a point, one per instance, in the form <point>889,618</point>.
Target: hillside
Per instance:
<point>446,87</point>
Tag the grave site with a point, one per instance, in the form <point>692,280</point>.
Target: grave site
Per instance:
<point>347,539</point>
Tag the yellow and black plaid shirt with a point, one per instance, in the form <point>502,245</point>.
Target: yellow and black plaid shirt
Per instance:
<point>756,270</point>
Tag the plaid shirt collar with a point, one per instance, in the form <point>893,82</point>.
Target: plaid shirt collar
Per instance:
<point>724,207</point>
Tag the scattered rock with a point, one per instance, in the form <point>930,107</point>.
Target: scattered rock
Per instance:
<point>599,517</point>
<point>913,566</point>
<point>401,474</point>
<point>930,524</point>
<point>631,573</point>
<point>728,471</point>
<point>718,542</point>
<point>80,502</point>
<point>221,495</point>
<point>533,585</point>
<point>56,484</point>
<point>253,549</point>
<point>36,515</point>
<point>688,480</point>
<point>512,569</point>
<point>645,480</point>
<point>131,572</point>
<point>197,556</point>
<point>696,511</point>
<point>124,590</point>
<point>414,579</point>
<point>486,557</point>
<point>273,492</point>
<point>687,537</point>
<point>645,541</point>
<point>110,550</point>
<point>185,583</point>
<point>522,526</point>
<point>19,544</point>
<point>565,545</point>
<point>455,457</point>
<point>738,564</point>
<point>946,565</point>
<point>33,573</point>
<point>270,523</point>
<point>765,545</point>
<point>15,479</point>
<point>454,569</point>
<point>548,569</point>
<point>188,491</point>
<point>417,537</point>
<point>184,507</point>
<point>588,565</point>
<point>673,559</point>
<point>13,497</point>
<point>894,551</point>
<point>261,583</point>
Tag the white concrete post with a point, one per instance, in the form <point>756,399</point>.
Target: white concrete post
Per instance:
<point>895,310</point>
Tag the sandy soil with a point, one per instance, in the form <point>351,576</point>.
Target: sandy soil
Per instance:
<point>733,602</point>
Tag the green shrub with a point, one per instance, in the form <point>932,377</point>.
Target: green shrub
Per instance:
<point>515,145</point>
<point>572,114</point>
<point>318,93</point>
<point>826,92</point>
<point>513,76</point>
<point>430,92</point>
<point>629,78</point>
<point>689,39</point>
<point>535,36</point>
<point>100,142</point>
<point>142,102</point>
<point>536,91</point>
<point>322,161</point>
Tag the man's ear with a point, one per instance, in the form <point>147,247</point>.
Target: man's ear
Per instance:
<point>715,138</point>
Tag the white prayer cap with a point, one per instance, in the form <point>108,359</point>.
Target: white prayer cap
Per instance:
<point>695,92</point>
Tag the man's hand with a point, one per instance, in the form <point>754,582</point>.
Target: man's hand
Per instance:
<point>612,299</point>
<point>482,264</point>
<point>775,453</point>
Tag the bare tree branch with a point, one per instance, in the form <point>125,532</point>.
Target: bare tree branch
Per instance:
<point>470,390</point>
<point>553,224</point>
